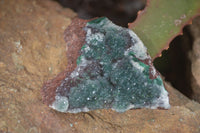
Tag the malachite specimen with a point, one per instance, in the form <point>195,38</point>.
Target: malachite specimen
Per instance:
<point>113,71</point>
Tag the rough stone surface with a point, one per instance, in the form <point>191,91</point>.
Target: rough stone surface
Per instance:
<point>32,50</point>
<point>113,71</point>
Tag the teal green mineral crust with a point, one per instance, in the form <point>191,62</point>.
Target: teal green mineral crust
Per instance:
<point>114,71</point>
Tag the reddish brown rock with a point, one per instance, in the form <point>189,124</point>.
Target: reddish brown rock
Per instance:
<point>32,50</point>
<point>74,35</point>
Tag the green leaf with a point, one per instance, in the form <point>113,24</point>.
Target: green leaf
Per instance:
<point>162,20</point>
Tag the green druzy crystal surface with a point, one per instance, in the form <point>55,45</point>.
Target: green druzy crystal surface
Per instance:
<point>114,71</point>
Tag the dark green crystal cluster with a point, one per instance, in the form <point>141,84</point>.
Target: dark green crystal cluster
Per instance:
<point>113,71</point>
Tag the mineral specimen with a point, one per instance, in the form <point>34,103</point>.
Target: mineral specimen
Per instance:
<point>113,71</point>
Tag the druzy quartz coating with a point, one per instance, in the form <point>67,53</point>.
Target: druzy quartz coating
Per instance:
<point>113,71</point>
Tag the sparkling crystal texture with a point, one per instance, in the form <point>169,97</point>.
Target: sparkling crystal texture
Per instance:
<point>114,71</point>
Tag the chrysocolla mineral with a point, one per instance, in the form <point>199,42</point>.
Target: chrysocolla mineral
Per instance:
<point>113,71</point>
